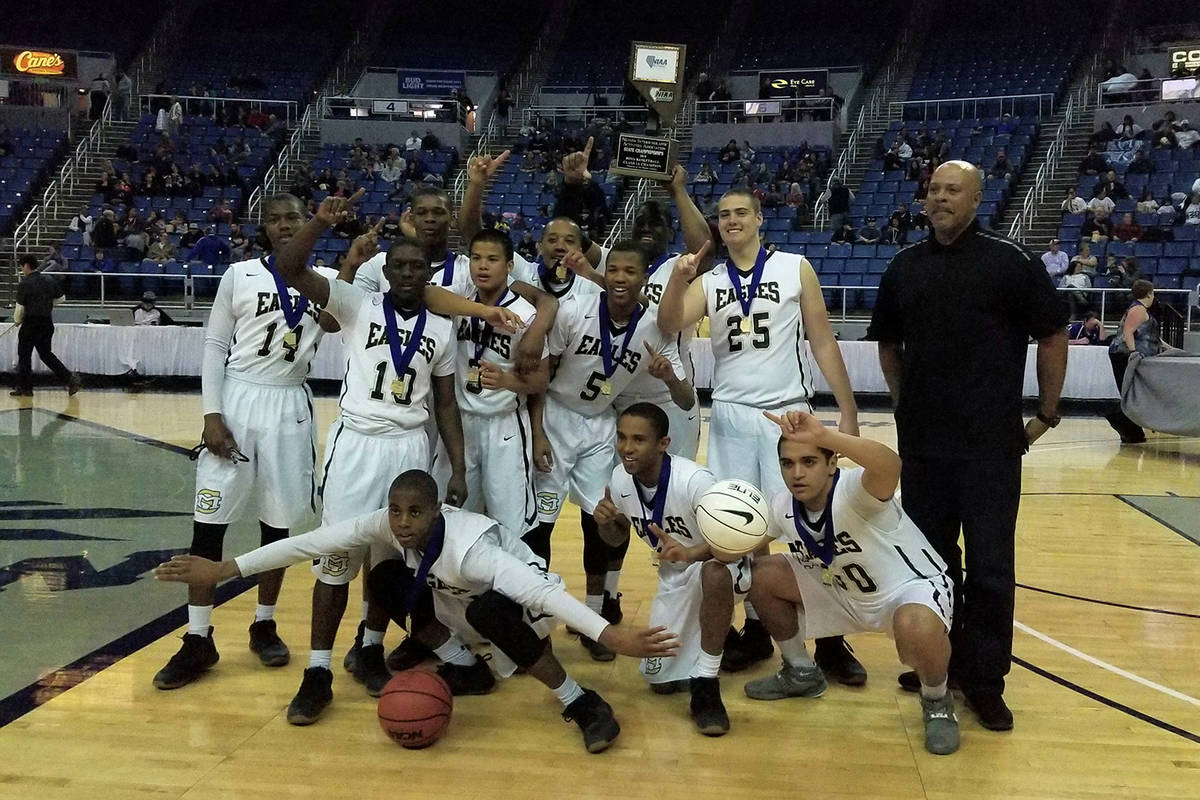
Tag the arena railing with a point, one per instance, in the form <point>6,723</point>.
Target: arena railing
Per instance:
<point>624,223</point>
<point>193,105</point>
<point>486,139</point>
<point>583,114</point>
<point>726,111</point>
<point>401,108</point>
<point>281,169</point>
<point>1004,104</point>
<point>1147,91</point>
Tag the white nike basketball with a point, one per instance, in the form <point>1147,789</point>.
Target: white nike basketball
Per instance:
<point>733,518</point>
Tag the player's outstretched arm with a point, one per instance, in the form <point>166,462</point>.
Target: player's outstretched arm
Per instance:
<point>683,302</point>
<point>881,464</point>
<point>449,425</point>
<point>196,570</point>
<point>448,304</point>
<point>691,220</point>
<point>479,171</point>
<point>825,347</point>
<point>492,377</point>
<point>655,642</point>
<point>533,343</point>
<point>292,259</point>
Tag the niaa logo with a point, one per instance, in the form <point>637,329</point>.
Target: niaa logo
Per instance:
<point>654,61</point>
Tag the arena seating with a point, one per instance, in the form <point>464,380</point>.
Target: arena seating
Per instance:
<point>846,33</point>
<point>23,173</point>
<point>69,24</point>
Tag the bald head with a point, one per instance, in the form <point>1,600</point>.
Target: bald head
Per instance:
<point>955,191</point>
<point>969,176</point>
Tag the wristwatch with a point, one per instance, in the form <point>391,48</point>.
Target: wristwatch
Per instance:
<point>1049,422</point>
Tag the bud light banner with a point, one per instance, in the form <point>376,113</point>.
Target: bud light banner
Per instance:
<point>424,81</point>
<point>794,82</point>
<point>34,62</point>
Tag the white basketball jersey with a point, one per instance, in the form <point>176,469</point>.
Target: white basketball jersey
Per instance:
<point>499,348</point>
<point>877,547</point>
<point>369,404</point>
<point>688,482</point>
<point>767,367</point>
<point>579,382</point>
<point>261,349</point>
<point>529,272</point>
<point>370,275</point>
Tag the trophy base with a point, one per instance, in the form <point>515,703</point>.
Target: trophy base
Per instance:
<point>641,156</point>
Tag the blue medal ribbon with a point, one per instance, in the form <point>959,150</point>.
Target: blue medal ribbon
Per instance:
<point>292,314</point>
<point>481,332</point>
<point>448,268</point>
<point>824,550</point>
<point>755,279</point>
<point>401,358</point>
<point>433,549</point>
<point>659,503</point>
<point>606,356</point>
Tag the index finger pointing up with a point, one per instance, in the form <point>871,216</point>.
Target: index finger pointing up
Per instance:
<point>587,148</point>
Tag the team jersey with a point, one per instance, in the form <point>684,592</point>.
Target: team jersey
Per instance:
<point>532,273</point>
<point>498,347</point>
<point>368,401</point>
<point>247,310</point>
<point>477,555</point>
<point>688,481</point>
<point>876,546</point>
<point>767,367</point>
<point>458,279</point>
<point>579,382</point>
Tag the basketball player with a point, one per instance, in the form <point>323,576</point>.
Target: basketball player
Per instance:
<point>399,357</point>
<point>658,493</point>
<point>259,444</point>
<point>760,308</point>
<point>597,348</point>
<point>486,584</point>
<point>857,563</point>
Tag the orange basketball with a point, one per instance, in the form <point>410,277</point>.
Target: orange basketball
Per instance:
<point>415,707</point>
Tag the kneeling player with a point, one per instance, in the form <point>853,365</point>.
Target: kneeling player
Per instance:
<point>857,563</point>
<point>487,584</point>
<point>659,493</point>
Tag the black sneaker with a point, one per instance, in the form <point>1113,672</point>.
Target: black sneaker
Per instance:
<point>408,654</point>
<point>74,385</point>
<point>747,648</point>
<point>195,657</point>
<point>611,610</point>
<point>267,645</point>
<point>909,682</point>
<point>475,679</point>
<point>991,709</point>
<point>597,651</point>
<point>595,719</point>
<point>21,393</point>
<point>707,709</point>
<point>670,687</point>
<point>836,660</point>
<point>315,695</point>
<point>372,671</point>
<point>351,662</point>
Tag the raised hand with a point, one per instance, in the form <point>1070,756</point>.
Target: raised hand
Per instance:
<point>364,247</point>
<point>408,228</point>
<point>577,262</point>
<point>688,263</point>
<point>335,209</point>
<point>678,180</point>
<point>575,165</point>
<point>481,168</point>
<point>492,377</point>
<point>799,426</point>
<point>655,642</point>
<point>658,366</point>
<point>606,510</point>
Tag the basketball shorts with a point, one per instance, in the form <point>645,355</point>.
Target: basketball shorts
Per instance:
<point>359,470</point>
<point>683,426</point>
<point>439,464</point>
<point>584,455</point>
<point>831,612</point>
<point>499,456</point>
<point>274,428</point>
<point>677,606</point>
<point>742,445</point>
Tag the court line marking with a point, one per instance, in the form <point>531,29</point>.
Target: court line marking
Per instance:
<point>1099,698</point>
<point>137,437</point>
<point>1124,499</point>
<point>1066,648</point>
<point>1107,602</point>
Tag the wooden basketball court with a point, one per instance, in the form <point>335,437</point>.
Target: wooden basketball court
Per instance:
<point>1105,688</point>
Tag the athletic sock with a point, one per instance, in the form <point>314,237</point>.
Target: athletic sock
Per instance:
<point>453,651</point>
<point>199,619</point>
<point>933,692</point>
<point>320,658</point>
<point>364,611</point>
<point>750,612</point>
<point>611,579</point>
<point>795,653</point>
<point>594,601</point>
<point>569,692</point>
<point>262,612</point>
<point>371,637</point>
<point>708,665</point>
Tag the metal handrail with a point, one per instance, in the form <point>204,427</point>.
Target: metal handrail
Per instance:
<point>638,196</point>
<point>584,113</point>
<point>281,169</point>
<point>145,102</point>
<point>481,147</point>
<point>962,101</point>
<point>1140,96</point>
<point>711,109</point>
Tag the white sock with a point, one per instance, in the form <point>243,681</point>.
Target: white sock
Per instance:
<point>594,601</point>
<point>794,652</point>
<point>371,637</point>
<point>708,665</point>
<point>320,658</point>
<point>750,612</point>
<point>611,579</point>
<point>262,612</point>
<point>569,692</point>
<point>933,692</point>
<point>364,610</point>
<point>199,618</point>
<point>453,651</point>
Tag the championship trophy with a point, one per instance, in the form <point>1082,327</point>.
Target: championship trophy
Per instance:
<point>656,71</point>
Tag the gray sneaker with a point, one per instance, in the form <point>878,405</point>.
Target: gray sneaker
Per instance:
<point>789,681</point>
<point>941,725</point>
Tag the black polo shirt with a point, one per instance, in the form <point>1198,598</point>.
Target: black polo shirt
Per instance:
<point>965,313</point>
<point>37,292</point>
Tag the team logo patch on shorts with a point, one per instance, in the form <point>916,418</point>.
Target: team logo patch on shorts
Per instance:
<point>548,502</point>
<point>335,564</point>
<point>208,501</point>
<point>653,666</point>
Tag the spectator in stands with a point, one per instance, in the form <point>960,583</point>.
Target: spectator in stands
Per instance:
<point>413,143</point>
<point>1164,130</point>
<point>177,224</point>
<point>1088,332</point>
<point>175,119</point>
<point>1101,205</point>
<point>903,148</point>
<point>1191,214</point>
<point>136,242</point>
<point>1055,260</point>
<point>147,313</point>
<point>529,162</point>
<point>349,228</point>
<point>1140,165</point>
<point>1168,214</point>
<point>155,224</point>
<point>1001,168</point>
<point>844,234</point>
<point>191,236</point>
<point>52,261</point>
<point>1095,229</point>
<point>922,189</point>
<point>1093,163</point>
<point>211,249</point>
<point>869,233</point>
<point>748,153</point>
<point>902,218</point>
<point>239,243</point>
<point>195,181</point>
<point>162,249</point>
<point>795,195</point>
<point>1102,137</point>
<point>1196,186</point>
<point>706,174</point>
<point>893,234</point>
<point>392,171</point>
<point>839,201</point>
<point>1073,204</point>
<point>917,168</point>
<point>429,142</point>
<point>1113,187</point>
<point>1087,262</point>
<point>214,177</point>
<point>220,213</point>
<point>1127,230</point>
<point>801,215</point>
<point>124,90</point>
<point>1128,130</point>
<point>1076,279</point>
<point>390,230</point>
<point>1185,137</point>
<point>774,197</point>
<point>1123,273</point>
<point>104,234</point>
<point>920,220</point>
<point>98,96</point>
<point>82,223</point>
<point>730,153</point>
<point>240,151</point>
<point>527,247</point>
<point>892,159</point>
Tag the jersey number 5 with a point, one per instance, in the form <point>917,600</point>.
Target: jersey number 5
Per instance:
<point>381,370</point>
<point>592,387</point>
<point>762,333</point>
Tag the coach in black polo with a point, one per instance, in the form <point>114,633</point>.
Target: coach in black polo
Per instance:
<point>953,320</point>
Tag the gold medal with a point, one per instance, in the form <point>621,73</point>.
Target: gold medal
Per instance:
<point>290,339</point>
<point>399,385</point>
<point>474,380</point>
<point>744,325</point>
<point>560,272</point>
<point>827,576</point>
<point>605,388</point>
